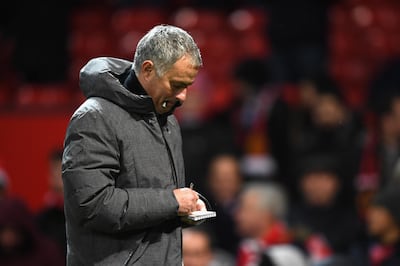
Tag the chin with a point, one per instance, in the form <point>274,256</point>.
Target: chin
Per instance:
<point>244,232</point>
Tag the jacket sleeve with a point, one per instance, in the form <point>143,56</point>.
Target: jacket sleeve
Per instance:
<point>90,167</point>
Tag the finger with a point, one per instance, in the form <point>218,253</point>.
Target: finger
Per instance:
<point>193,207</point>
<point>196,195</point>
<point>200,205</point>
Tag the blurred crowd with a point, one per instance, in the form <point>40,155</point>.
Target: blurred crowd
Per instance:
<point>298,155</point>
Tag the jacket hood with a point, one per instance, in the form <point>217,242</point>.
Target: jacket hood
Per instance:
<point>100,77</point>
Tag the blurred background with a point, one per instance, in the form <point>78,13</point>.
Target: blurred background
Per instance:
<point>291,130</point>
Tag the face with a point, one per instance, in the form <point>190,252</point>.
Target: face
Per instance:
<point>328,112</point>
<point>196,249</point>
<point>308,94</point>
<point>396,113</point>
<point>225,179</point>
<point>379,221</point>
<point>250,218</point>
<point>170,88</point>
<point>9,238</point>
<point>319,189</point>
<point>389,127</point>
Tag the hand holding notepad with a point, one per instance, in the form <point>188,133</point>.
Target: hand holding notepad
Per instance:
<point>198,217</point>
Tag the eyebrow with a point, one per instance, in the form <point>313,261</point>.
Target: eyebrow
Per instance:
<point>180,83</point>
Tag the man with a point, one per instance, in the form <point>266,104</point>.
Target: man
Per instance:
<point>196,247</point>
<point>320,184</point>
<point>225,182</point>
<point>20,242</point>
<point>199,250</point>
<point>51,219</point>
<point>259,218</point>
<point>123,170</point>
<point>383,225</point>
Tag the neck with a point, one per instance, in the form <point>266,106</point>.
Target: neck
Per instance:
<point>391,236</point>
<point>134,84</point>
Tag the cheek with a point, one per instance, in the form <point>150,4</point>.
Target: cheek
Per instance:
<point>158,88</point>
<point>377,220</point>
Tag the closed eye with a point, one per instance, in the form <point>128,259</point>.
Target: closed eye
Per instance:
<point>178,86</point>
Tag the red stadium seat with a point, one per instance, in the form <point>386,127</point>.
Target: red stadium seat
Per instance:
<point>254,45</point>
<point>248,20</point>
<point>362,15</point>
<point>343,44</point>
<point>87,20</point>
<point>387,18</point>
<point>377,41</point>
<point>220,52</point>
<point>222,95</point>
<point>91,44</point>
<point>126,44</point>
<point>355,95</point>
<point>43,96</point>
<point>136,19</point>
<point>351,70</point>
<point>207,21</point>
<point>339,17</point>
<point>394,42</point>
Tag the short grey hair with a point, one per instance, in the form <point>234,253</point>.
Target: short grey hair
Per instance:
<point>164,45</point>
<point>271,197</point>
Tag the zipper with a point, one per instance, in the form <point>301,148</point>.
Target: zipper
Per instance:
<point>171,159</point>
<point>129,257</point>
<point>174,176</point>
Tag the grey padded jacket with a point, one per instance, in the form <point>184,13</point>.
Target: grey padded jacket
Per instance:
<point>121,164</point>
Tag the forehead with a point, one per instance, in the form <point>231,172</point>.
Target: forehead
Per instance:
<point>250,198</point>
<point>196,238</point>
<point>182,71</point>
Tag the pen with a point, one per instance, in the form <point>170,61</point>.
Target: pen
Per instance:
<point>191,186</point>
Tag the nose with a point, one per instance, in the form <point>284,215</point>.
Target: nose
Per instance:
<point>181,96</point>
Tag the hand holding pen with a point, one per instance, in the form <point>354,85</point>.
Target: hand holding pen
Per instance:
<point>188,200</point>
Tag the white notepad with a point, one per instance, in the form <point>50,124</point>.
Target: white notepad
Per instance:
<point>200,215</point>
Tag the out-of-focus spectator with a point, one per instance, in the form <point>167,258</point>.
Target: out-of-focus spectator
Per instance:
<point>320,221</point>
<point>3,183</point>
<point>283,255</point>
<point>20,242</point>
<point>225,182</point>
<point>204,134</point>
<point>259,219</point>
<point>290,116</point>
<point>51,219</point>
<point>383,222</point>
<point>389,140</point>
<point>55,194</point>
<point>254,99</point>
<point>334,130</point>
<point>319,123</point>
<point>198,249</point>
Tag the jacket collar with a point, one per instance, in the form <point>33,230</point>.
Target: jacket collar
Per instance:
<point>133,85</point>
<point>104,77</point>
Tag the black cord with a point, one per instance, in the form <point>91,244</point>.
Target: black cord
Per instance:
<point>209,208</point>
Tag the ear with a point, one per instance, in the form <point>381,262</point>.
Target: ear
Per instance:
<point>148,69</point>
